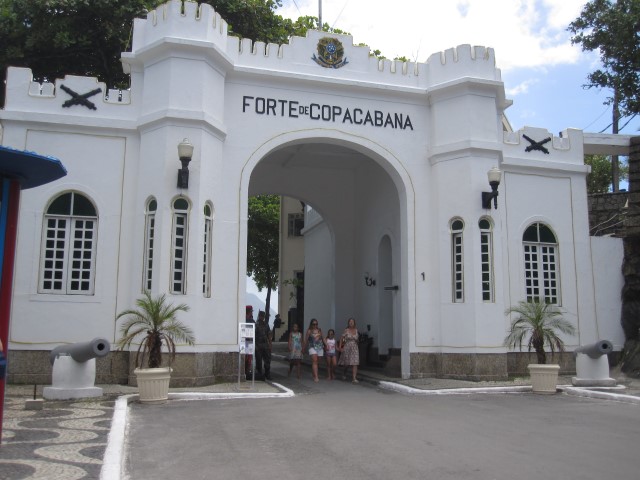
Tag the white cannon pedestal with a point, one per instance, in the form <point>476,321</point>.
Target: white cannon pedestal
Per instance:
<point>592,372</point>
<point>72,379</point>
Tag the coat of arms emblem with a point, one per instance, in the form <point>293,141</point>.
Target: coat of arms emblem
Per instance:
<point>330,53</point>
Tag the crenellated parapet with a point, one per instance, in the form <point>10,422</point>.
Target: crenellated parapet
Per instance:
<point>186,21</point>
<point>537,147</point>
<point>462,62</point>
<point>199,25</point>
<point>71,95</point>
<point>188,44</point>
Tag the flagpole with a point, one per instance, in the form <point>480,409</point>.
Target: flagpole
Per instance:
<point>320,15</point>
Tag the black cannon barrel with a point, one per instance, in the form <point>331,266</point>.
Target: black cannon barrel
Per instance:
<point>596,350</point>
<point>83,351</point>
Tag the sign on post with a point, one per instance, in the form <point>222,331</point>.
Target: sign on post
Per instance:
<point>246,346</point>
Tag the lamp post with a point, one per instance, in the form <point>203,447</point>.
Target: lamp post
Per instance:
<point>185,152</point>
<point>494,176</point>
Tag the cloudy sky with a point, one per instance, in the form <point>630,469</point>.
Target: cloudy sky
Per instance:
<point>542,71</point>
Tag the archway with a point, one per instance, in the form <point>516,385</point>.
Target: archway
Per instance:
<point>354,192</point>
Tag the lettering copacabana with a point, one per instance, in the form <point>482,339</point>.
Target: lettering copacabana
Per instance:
<point>327,113</point>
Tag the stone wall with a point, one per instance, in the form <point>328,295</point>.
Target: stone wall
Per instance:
<point>32,367</point>
<point>607,213</point>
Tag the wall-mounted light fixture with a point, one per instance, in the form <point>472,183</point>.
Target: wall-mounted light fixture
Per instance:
<point>494,180</point>
<point>368,281</point>
<point>185,152</point>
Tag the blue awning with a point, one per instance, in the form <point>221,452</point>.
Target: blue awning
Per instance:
<point>29,168</point>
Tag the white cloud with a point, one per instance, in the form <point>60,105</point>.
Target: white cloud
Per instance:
<point>522,87</point>
<point>524,33</point>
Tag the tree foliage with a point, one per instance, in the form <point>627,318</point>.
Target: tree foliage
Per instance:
<point>599,180</point>
<point>263,243</point>
<point>611,27</point>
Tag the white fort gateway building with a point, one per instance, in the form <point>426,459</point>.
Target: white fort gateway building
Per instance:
<point>391,157</point>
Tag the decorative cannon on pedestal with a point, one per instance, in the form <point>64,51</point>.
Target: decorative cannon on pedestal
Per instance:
<point>74,370</point>
<point>592,365</point>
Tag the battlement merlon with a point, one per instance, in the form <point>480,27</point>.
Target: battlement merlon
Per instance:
<point>462,61</point>
<point>532,147</point>
<point>70,100</point>
<point>196,22</point>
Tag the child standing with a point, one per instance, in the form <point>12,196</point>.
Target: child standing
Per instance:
<point>330,342</point>
<point>295,349</point>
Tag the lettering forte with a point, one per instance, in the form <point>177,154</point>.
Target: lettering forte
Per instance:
<point>327,113</point>
<point>387,213</point>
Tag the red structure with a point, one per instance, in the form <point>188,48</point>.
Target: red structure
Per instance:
<point>19,170</point>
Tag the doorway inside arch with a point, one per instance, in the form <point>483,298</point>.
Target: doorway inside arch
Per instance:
<point>351,206</point>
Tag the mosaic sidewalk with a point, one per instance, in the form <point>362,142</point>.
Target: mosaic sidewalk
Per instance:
<point>65,440</point>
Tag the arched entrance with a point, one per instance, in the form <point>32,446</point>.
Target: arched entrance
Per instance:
<point>354,193</point>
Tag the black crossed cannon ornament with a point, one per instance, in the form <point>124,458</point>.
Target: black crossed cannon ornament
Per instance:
<point>77,99</point>
<point>537,145</point>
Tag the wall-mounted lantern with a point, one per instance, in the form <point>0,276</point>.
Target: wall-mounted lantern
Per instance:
<point>185,152</point>
<point>494,176</point>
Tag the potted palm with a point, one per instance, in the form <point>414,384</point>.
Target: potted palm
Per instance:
<point>154,323</point>
<point>539,324</point>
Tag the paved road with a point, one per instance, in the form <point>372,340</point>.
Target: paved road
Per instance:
<point>337,430</point>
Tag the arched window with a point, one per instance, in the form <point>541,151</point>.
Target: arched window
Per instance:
<point>179,246</point>
<point>149,239</point>
<point>542,281</point>
<point>486,259</point>
<point>206,258</point>
<point>457,260</point>
<point>68,250</point>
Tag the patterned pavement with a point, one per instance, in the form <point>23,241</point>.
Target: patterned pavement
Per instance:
<point>65,440</point>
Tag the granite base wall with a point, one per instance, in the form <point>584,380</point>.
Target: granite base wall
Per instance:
<point>481,367</point>
<point>32,367</point>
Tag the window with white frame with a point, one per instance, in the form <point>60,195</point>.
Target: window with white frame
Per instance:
<point>486,259</point>
<point>206,258</point>
<point>149,239</point>
<point>457,261</point>
<point>68,250</point>
<point>542,279</point>
<point>296,224</point>
<point>179,246</point>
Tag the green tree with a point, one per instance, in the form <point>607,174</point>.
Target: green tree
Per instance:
<point>611,27</point>
<point>599,180</point>
<point>263,243</point>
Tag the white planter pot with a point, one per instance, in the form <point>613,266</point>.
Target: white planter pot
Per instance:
<point>153,384</point>
<point>544,378</point>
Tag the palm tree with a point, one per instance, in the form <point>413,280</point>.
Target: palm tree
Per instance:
<point>539,322</point>
<point>156,321</point>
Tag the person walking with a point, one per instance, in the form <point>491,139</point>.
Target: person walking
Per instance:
<point>263,346</point>
<point>295,350</point>
<point>331,344</point>
<point>350,356</point>
<point>315,342</point>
